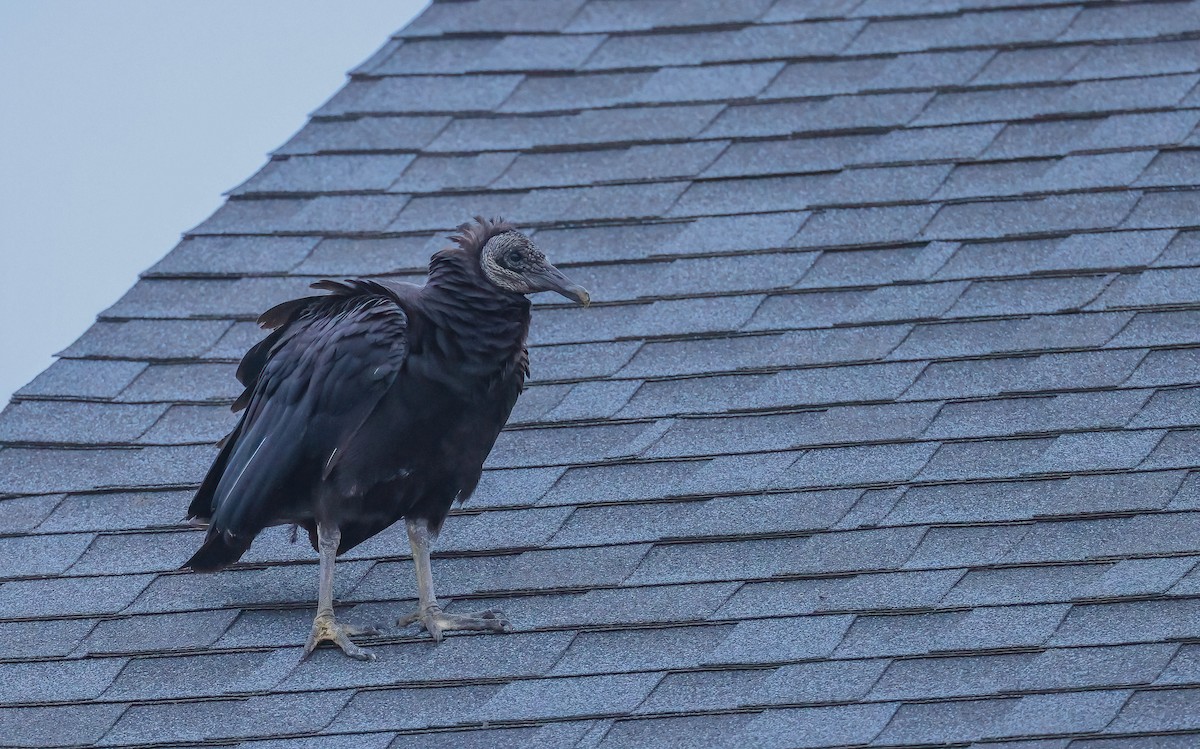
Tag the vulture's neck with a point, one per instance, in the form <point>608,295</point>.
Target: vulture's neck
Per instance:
<point>469,319</point>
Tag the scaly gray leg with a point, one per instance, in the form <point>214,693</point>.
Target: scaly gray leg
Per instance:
<point>430,613</point>
<point>324,627</point>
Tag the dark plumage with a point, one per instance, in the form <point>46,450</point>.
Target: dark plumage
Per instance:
<point>377,402</point>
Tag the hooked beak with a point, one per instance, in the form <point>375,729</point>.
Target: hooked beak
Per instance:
<point>552,279</point>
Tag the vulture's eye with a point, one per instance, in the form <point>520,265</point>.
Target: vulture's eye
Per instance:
<point>513,257</point>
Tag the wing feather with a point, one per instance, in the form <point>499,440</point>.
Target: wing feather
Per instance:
<point>310,385</point>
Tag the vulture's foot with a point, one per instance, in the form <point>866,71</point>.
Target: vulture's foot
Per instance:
<point>325,629</point>
<point>437,621</point>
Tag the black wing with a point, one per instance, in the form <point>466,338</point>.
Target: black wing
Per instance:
<point>310,385</point>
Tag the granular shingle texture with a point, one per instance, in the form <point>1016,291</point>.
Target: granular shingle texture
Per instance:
<point>883,429</point>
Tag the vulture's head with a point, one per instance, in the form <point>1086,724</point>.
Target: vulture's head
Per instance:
<point>512,262</point>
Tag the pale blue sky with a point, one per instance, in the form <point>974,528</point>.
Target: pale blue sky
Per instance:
<point>123,121</point>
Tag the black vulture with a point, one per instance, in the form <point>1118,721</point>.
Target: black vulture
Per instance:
<point>377,402</point>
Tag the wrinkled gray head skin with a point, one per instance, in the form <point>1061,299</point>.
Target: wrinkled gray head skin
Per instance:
<point>512,262</point>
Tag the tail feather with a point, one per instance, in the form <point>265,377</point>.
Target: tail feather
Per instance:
<point>218,552</point>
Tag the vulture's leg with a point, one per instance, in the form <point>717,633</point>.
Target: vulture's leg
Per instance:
<point>324,627</point>
<point>430,613</point>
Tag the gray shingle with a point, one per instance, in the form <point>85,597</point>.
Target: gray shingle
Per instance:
<point>821,726</point>
<point>1078,667</point>
<point>1183,666</point>
<point>638,163</point>
<point>687,732</point>
<point>63,422</point>
<point>198,675</point>
<point>44,638</point>
<point>621,482</point>
<point>506,15</point>
<point>205,720</point>
<point>117,511</point>
<point>954,676</point>
<point>857,226</point>
<point>707,83</point>
<point>915,634</point>
<point>1170,407</point>
<point>591,126</point>
<point>83,378</point>
<point>326,213</point>
<point>862,267</point>
<point>946,722</point>
<point>1127,622</point>
<point>932,143</point>
<point>639,650</point>
<point>1054,213</point>
<point>20,514</point>
<point>1144,129</point>
<point>51,681</point>
<point>1029,334</point>
<point>1127,93</point>
<point>773,640</point>
<point>989,105</point>
<point>569,92</point>
<point>148,340</point>
<point>1182,250</point>
<point>714,560</point>
<point>1095,451</point>
<point>748,43</point>
<point>979,460</point>
<point>1177,450</point>
<point>417,94</point>
<point>136,552</point>
<point>48,471</point>
<point>530,570</point>
<point>26,556</point>
<point>845,466</point>
<point>792,156</point>
<point>961,30</point>
<point>1124,23</point>
<point>837,113</point>
<point>79,595</point>
<point>1023,585</point>
<point>59,725</point>
<point>184,382</point>
<point>1159,710</point>
<point>1166,367</point>
<point>1108,250</point>
<point>821,681</point>
<point>514,53</point>
<point>615,15</point>
<point>326,174</point>
<point>1031,65</point>
<point>183,425</point>
<point>234,255</point>
<point>1150,287</point>
<point>866,592</point>
<point>1050,138</point>
<point>567,697</point>
<point>159,632</point>
<point>246,587</point>
<point>701,690</point>
<point>564,445</point>
<point>961,546</point>
<point>1012,416</point>
<point>393,133</point>
<point>1128,60</point>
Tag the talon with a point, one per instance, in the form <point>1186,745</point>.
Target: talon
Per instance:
<point>436,621</point>
<point>325,629</point>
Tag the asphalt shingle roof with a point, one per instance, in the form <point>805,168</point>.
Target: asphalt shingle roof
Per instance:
<point>884,428</point>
